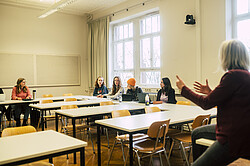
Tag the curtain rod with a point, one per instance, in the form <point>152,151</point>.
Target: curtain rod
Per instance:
<point>119,11</point>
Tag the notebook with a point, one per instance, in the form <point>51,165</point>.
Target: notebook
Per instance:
<point>126,97</point>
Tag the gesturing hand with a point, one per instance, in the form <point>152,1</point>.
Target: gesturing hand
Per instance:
<point>205,89</point>
<point>179,83</point>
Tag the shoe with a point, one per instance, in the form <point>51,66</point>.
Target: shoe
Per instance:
<point>24,122</point>
<point>18,122</point>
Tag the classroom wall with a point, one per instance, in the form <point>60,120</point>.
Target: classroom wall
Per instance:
<point>22,32</point>
<point>191,51</point>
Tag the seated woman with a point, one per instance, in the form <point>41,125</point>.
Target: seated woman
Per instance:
<point>20,92</point>
<point>100,88</point>
<point>132,89</point>
<point>166,93</point>
<point>117,89</point>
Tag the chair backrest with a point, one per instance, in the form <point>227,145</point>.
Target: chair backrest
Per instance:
<point>63,107</point>
<point>200,121</point>
<point>106,103</point>
<point>152,109</point>
<point>70,99</point>
<point>18,130</point>
<point>47,95</point>
<point>157,102</point>
<point>68,94</point>
<point>183,102</point>
<point>46,101</point>
<point>120,113</point>
<point>153,130</point>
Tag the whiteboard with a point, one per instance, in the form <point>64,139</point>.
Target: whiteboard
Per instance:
<point>39,70</point>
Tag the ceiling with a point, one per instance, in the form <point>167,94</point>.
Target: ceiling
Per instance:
<point>80,7</point>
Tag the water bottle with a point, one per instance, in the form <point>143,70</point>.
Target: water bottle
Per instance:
<point>34,94</point>
<point>147,99</point>
<point>120,97</point>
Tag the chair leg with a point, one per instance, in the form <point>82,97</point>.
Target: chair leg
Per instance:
<point>111,152</point>
<point>107,134</point>
<point>171,148</point>
<point>123,155</point>
<point>165,153</point>
<point>160,159</point>
<point>151,160</point>
<point>184,153</point>
<point>90,135</point>
<point>138,158</point>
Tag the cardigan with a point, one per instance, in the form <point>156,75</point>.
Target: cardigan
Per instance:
<point>232,98</point>
<point>171,96</point>
<point>100,91</point>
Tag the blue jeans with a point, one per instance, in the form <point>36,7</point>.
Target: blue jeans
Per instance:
<point>216,155</point>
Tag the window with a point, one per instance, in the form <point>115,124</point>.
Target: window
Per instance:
<point>241,21</point>
<point>135,50</point>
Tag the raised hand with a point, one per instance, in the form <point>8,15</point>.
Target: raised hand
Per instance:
<point>179,83</point>
<point>205,89</point>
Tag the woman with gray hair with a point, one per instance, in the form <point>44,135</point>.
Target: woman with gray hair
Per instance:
<point>232,98</point>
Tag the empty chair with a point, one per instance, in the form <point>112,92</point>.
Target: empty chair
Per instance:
<point>122,139</point>
<point>68,94</point>
<point>106,103</point>
<point>185,137</point>
<point>152,109</point>
<point>154,143</point>
<point>183,102</point>
<point>50,116</point>
<point>23,130</point>
<point>70,99</point>
<point>47,95</point>
<point>67,128</point>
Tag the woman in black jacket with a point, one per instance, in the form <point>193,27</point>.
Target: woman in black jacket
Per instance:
<point>166,93</point>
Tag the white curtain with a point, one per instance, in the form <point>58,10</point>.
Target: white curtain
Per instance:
<point>98,49</point>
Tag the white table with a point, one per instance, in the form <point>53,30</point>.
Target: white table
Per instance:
<point>25,148</point>
<point>177,114</point>
<point>86,112</point>
<point>57,105</point>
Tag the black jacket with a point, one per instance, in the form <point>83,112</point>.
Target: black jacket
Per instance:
<point>171,96</point>
<point>134,93</point>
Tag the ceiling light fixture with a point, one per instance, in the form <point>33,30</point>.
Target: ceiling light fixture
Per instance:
<point>56,7</point>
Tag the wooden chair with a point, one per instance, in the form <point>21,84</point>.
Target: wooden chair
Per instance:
<point>185,137</point>
<point>47,95</point>
<point>70,99</point>
<point>183,102</point>
<point>67,128</point>
<point>122,139</point>
<point>106,103</point>
<point>46,117</point>
<point>152,109</point>
<point>24,130</point>
<point>157,102</point>
<point>154,143</point>
<point>67,94</point>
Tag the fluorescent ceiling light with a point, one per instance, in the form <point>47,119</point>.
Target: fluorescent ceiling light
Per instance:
<point>56,7</point>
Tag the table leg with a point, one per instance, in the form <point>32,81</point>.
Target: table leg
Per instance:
<point>56,122</point>
<point>42,120</point>
<point>51,160</point>
<point>131,149</point>
<point>82,156</point>
<point>99,145</point>
<point>74,135</point>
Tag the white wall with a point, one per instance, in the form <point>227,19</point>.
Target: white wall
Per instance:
<point>191,51</point>
<point>22,32</point>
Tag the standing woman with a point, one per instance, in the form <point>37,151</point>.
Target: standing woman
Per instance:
<point>166,93</point>
<point>100,88</point>
<point>117,89</point>
<point>232,98</point>
<point>20,92</point>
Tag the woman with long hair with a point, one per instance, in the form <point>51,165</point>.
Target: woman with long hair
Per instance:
<point>20,92</point>
<point>117,89</point>
<point>100,87</point>
<point>231,96</point>
<point>166,93</point>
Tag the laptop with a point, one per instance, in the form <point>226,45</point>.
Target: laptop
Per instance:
<point>126,97</point>
<point>141,97</point>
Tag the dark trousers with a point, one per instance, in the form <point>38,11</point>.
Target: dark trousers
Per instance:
<point>216,155</point>
<point>18,110</point>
